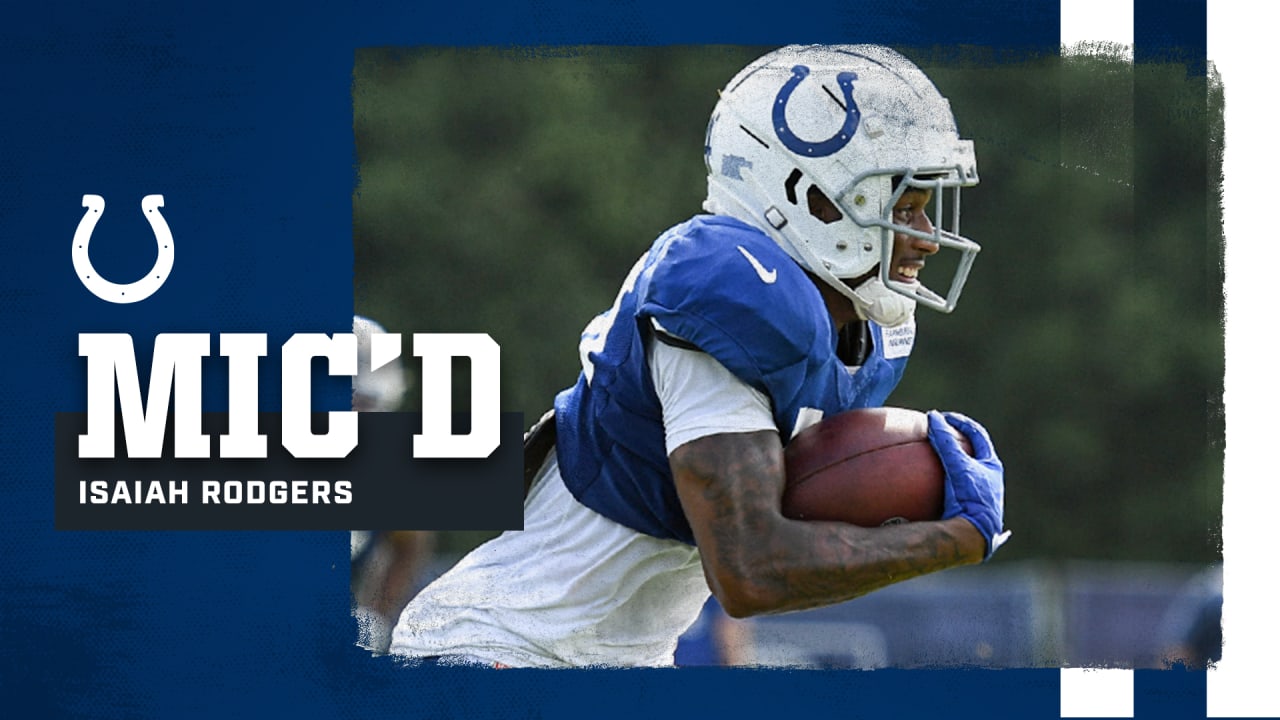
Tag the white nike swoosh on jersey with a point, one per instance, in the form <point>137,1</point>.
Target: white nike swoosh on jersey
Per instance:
<point>768,276</point>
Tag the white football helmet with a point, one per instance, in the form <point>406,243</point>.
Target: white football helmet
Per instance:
<point>861,124</point>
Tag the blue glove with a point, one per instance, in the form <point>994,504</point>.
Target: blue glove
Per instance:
<point>974,488</point>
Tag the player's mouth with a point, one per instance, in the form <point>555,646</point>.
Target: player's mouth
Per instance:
<point>908,272</point>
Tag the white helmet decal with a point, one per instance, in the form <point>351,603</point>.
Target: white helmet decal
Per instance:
<point>861,125</point>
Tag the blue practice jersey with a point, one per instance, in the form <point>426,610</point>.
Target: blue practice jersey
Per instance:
<point>728,289</point>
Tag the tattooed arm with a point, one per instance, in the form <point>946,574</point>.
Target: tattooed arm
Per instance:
<point>757,561</point>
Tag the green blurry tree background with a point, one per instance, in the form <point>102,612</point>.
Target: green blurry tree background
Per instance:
<point>509,190</point>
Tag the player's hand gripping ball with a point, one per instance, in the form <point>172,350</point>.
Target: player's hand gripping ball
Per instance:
<point>974,485</point>
<point>867,467</point>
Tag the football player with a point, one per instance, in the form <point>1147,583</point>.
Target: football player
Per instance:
<point>659,474</point>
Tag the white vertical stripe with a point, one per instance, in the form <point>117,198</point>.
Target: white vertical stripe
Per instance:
<point>1108,21</point>
<point>1240,36</point>
<point>1088,692</point>
<point>1096,693</point>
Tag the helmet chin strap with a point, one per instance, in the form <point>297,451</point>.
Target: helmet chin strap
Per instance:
<point>876,302</point>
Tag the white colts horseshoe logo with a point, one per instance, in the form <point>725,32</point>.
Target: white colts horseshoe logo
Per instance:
<point>100,286</point>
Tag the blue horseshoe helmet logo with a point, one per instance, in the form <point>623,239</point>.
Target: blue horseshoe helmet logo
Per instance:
<point>832,144</point>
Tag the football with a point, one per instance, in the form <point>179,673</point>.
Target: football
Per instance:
<point>868,467</point>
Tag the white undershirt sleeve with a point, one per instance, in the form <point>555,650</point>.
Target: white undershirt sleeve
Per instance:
<point>701,397</point>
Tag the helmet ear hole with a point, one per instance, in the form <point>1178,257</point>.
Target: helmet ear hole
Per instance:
<point>821,207</point>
